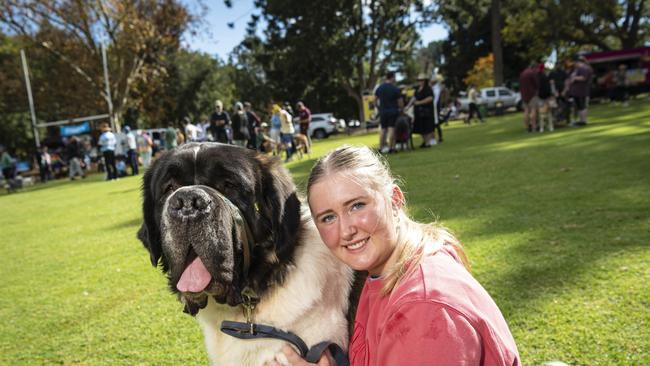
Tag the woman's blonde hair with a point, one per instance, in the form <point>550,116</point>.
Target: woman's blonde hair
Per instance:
<point>414,240</point>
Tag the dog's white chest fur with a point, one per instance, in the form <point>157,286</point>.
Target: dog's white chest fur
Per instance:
<point>312,303</point>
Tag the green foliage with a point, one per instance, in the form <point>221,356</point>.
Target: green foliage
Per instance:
<point>189,88</point>
<point>577,25</point>
<point>321,51</point>
<point>555,225</point>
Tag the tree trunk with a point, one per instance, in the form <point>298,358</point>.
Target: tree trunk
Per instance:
<point>497,48</point>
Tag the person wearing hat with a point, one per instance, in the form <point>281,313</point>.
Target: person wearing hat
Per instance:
<point>107,143</point>
<point>423,111</point>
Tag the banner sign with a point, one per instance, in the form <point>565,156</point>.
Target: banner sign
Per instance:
<point>75,129</point>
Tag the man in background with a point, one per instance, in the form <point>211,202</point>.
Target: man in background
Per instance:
<point>579,88</point>
<point>390,103</point>
<point>529,87</point>
<point>305,119</point>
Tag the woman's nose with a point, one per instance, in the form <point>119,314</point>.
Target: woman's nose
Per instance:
<point>348,228</point>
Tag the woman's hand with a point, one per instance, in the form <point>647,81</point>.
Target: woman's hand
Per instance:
<point>294,359</point>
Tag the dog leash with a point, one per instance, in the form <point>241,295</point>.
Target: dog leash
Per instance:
<point>243,330</point>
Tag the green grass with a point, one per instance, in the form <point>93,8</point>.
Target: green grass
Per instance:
<point>557,226</point>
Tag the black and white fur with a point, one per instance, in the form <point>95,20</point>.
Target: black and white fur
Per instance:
<point>303,288</point>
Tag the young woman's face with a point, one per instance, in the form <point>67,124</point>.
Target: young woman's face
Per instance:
<point>357,224</point>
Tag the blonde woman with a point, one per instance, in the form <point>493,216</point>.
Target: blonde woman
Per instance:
<point>420,305</point>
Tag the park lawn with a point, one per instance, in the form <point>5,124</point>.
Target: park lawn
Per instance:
<point>557,226</point>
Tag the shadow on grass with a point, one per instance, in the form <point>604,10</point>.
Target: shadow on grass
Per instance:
<point>133,223</point>
<point>569,199</point>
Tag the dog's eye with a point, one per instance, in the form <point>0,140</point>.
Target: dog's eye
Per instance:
<point>170,187</point>
<point>229,185</point>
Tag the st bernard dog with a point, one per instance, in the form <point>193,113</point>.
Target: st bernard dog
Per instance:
<point>221,219</point>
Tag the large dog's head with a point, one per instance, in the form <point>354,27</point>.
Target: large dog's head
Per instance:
<point>195,198</point>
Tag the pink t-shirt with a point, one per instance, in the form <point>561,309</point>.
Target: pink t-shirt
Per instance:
<point>438,315</point>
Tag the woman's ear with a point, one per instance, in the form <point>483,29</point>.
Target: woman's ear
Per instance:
<point>397,197</point>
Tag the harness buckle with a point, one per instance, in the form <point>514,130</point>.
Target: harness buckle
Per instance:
<point>249,301</point>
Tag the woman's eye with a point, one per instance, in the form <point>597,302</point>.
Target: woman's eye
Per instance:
<point>358,205</point>
<point>327,218</point>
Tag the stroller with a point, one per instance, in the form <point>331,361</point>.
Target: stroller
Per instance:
<point>404,133</point>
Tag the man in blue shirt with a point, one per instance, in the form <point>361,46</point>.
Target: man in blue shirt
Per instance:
<point>390,103</point>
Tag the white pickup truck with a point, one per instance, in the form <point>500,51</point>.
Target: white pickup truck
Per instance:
<point>494,97</point>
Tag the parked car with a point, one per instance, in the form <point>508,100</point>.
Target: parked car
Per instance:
<point>492,98</point>
<point>322,125</point>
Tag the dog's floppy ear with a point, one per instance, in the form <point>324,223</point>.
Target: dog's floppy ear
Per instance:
<point>281,204</point>
<point>149,234</point>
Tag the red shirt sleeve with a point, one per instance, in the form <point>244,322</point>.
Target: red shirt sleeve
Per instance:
<point>428,333</point>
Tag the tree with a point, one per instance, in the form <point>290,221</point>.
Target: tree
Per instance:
<point>497,48</point>
<point>139,34</point>
<point>481,75</point>
<point>578,24</point>
<point>348,43</point>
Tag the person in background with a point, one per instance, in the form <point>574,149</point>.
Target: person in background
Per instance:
<point>253,125</point>
<point>546,99</point>
<point>287,131</point>
<point>440,99</point>
<point>180,137</point>
<point>107,143</point>
<point>423,120</point>
<point>529,87</point>
<point>145,146</point>
<point>276,125</point>
<point>219,120</point>
<point>420,305</point>
<point>558,82</point>
<point>75,156</point>
<point>473,96</point>
<point>191,130</point>
<point>305,119</point>
<point>240,130</point>
<point>132,150</point>
<point>390,104</point>
<point>7,164</point>
<point>579,88</point>
<point>44,164</point>
<point>621,84</point>
<point>170,137</point>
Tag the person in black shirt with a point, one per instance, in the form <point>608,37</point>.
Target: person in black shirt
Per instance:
<point>219,120</point>
<point>73,152</point>
<point>390,103</point>
<point>254,123</point>
<point>557,79</point>
<point>240,131</point>
<point>423,110</point>
<point>546,99</point>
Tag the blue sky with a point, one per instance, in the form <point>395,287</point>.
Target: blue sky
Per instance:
<point>216,38</point>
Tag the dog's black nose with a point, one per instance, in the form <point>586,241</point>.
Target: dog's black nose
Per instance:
<point>189,204</point>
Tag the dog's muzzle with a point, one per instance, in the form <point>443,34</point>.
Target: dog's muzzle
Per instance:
<point>190,204</point>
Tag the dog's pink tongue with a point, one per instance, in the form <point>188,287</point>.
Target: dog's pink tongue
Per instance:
<point>195,278</point>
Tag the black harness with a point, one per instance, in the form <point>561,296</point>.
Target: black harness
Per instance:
<point>251,330</point>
